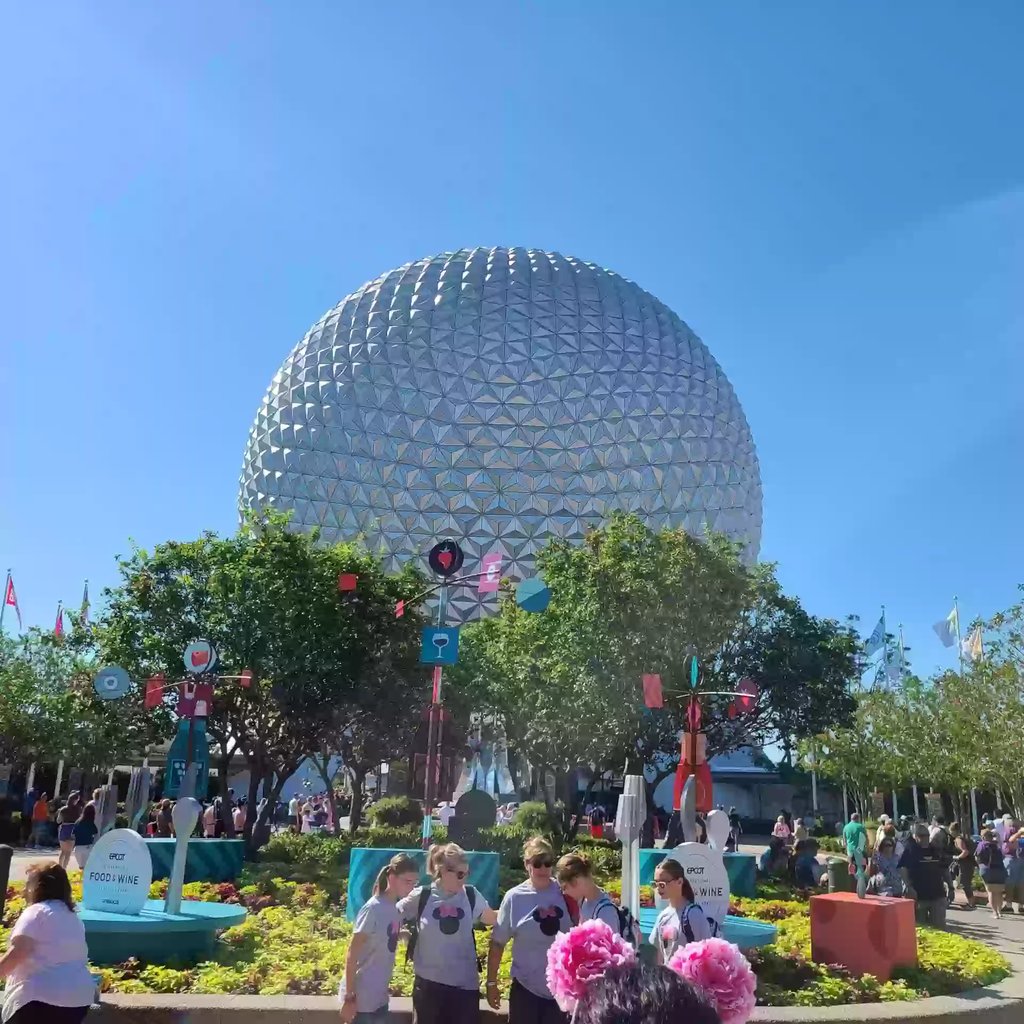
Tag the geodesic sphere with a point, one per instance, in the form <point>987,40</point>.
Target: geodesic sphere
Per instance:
<point>501,397</point>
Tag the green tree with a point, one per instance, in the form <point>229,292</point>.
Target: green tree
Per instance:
<point>268,599</point>
<point>49,710</point>
<point>630,600</point>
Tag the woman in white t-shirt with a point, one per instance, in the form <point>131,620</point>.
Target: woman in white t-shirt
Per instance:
<point>46,963</point>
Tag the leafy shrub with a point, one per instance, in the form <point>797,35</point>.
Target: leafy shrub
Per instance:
<point>507,841</point>
<point>395,812</point>
<point>534,818</point>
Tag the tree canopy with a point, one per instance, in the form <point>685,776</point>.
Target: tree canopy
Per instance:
<point>268,599</point>
<point>630,600</point>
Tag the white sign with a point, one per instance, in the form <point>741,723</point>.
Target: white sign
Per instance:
<point>118,874</point>
<point>705,871</point>
<point>200,656</point>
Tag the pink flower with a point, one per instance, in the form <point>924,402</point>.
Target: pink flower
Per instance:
<point>668,933</point>
<point>580,955</point>
<point>722,973</point>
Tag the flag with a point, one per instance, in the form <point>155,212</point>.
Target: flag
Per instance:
<point>876,641</point>
<point>947,629</point>
<point>11,599</point>
<point>58,626</point>
<point>652,690</point>
<point>83,614</point>
<point>894,665</point>
<point>492,573</point>
<point>154,691</point>
<point>399,609</point>
<point>972,646</point>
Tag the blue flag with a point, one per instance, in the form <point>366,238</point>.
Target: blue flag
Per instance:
<point>876,641</point>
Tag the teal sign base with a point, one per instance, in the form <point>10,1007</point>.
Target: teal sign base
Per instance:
<point>740,867</point>
<point>744,932</point>
<point>365,865</point>
<point>155,936</point>
<point>209,860</point>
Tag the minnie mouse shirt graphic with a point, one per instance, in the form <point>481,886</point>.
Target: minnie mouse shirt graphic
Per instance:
<point>531,918</point>
<point>445,947</point>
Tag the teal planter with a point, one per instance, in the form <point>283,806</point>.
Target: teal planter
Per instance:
<point>209,860</point>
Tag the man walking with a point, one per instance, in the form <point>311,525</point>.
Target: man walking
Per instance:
<point>924,878</point>
<point>855,836</point>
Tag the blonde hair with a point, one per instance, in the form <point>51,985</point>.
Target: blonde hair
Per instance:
<point>571,866</point>
<point>537,846</point>
<point>446,856</point>
<point>400,864</point>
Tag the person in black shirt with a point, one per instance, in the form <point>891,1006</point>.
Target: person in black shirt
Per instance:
<point>924,875</point>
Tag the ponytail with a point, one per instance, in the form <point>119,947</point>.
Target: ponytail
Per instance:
<point>400,864</point>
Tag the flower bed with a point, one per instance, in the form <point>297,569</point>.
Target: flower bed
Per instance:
<point>295,938</point>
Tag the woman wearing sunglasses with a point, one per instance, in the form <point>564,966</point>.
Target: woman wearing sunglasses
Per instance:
<point>446,989</point>
<point>683,920</point>
<point>531,915</point>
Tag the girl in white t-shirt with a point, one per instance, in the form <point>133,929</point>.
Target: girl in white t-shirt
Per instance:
<point>46,963</point>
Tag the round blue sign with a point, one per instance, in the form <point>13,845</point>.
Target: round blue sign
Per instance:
<point>111,683</point>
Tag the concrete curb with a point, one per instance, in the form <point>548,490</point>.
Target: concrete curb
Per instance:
<point>1001,1004</point>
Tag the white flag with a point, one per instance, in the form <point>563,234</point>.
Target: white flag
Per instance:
<point>947,629</point>
<point>972,646</point>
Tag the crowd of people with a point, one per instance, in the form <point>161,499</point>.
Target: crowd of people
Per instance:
<point>439,917</point>
<point>913,859</point>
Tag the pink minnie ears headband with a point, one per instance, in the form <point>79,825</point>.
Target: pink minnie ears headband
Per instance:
<point>715,967</point>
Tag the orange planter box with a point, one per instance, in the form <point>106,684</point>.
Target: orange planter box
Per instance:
<point>866,936</point>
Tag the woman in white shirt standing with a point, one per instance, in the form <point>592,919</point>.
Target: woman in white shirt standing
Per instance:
<point>46,963</point>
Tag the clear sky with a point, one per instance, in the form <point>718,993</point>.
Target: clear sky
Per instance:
<point>830,194</point>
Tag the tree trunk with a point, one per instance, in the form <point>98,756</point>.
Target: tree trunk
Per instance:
<point>355,814</point>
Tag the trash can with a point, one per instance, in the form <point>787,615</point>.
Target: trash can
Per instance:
<point>839,877</point>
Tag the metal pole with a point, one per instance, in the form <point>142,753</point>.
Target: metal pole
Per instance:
<point>3,605</point>
<point>60,779</point>
<point>814,780</point>
<point>917,812</point>
<point>959,643</point>
<point>895,806</point>
<point>974,809</point>
<point>846,805</point>
<point>432,763</point>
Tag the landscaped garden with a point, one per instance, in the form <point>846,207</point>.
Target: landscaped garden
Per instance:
<point>296,935</point>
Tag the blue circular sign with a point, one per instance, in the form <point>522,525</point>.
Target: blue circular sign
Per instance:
<point>111,683</point>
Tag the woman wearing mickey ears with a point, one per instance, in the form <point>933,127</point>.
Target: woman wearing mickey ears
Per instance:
<point>371,954</point>
<point>531,915</point>
<point>446,989</point>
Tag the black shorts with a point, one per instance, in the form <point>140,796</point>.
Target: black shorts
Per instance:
<point>434,1003</point>
<point>526,1008</point>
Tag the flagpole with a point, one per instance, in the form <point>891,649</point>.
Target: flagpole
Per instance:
<point>903,657</point>
<point>3,603</point>
<point>959,643</point>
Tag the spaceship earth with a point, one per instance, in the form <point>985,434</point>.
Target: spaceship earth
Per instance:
<point>500,397</point>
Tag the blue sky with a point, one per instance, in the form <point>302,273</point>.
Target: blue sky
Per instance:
<point>831,195</point>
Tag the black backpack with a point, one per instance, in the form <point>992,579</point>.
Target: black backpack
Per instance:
<point>414,926</point>
<point>629,927</point>
<point>984,854</point>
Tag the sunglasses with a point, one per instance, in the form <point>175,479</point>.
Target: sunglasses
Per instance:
<point>661,885</point>
<point>459,873</point>
<point>541,862</point>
